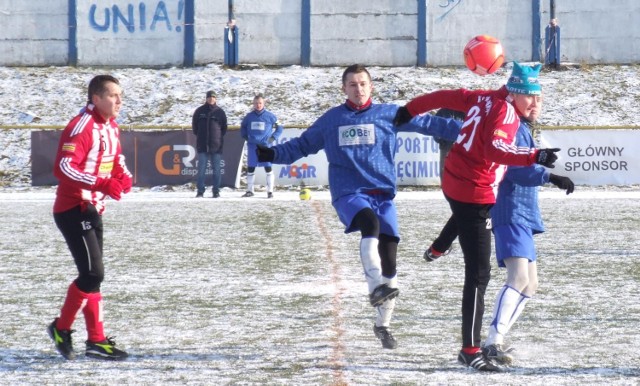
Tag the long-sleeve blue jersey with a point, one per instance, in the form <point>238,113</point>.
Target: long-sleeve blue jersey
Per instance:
<point>259,126</point>
<point>360,146</point>
<point>517,200</point>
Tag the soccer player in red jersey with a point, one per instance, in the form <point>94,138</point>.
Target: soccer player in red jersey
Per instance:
<point>90,168</point>
<point>473,169</point>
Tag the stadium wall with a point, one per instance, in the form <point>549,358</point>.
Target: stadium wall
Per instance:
<point>328,32</point>
<point>34,32</point>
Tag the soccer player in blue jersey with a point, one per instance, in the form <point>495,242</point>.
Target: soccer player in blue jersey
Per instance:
<point>259,127</point>
<point>359,139</point>
<point>516,218</point>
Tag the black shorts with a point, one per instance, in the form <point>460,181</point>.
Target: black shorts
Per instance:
<point>82,230</point>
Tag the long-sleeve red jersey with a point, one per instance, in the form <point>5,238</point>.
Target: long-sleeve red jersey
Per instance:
<point>476,163</point>
<point>89,149</point>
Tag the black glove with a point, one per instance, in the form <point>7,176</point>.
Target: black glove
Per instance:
<point>402,116</point>
<point>563,183</point>
<point>546,157</point>
<point>265,154</point>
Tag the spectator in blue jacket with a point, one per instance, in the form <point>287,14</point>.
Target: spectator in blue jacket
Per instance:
<point>515,219</point>
<point>359,140</point>
<point>259,127</point>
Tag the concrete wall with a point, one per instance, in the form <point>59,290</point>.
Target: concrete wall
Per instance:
<point>598,31</point>
<point>33,32</point>
<point>144,33</point>
<point>377,32</point>
<point>210,20</point>
<point>374,31</point>
<point>269,31</point>
<point>450,27</point>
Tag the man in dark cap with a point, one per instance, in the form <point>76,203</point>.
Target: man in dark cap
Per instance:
<point>209,124</point>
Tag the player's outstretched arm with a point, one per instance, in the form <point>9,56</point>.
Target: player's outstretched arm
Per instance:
<point>438,127</point>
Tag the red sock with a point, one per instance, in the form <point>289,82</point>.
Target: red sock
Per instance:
<point>93,317</point>
<point>470,350</point>
<point>436,253</point>
<point>73,303</point>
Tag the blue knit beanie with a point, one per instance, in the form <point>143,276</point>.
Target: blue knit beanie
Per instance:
<point>524,79</point>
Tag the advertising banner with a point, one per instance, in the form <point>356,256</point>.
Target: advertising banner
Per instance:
<point>417,160</point>
<point>596,157</point>
<point>154,157</point>
<point>308,171</point>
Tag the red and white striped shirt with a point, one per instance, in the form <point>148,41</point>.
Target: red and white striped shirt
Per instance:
<point>89,149</point>
<point>477,161</point>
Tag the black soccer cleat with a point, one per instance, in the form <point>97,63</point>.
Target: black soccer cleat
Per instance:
<point>499,353</point>
<point>430,254</point>
<point>270,195</point>
<point>478,361</point>
<point>382,293</point>
<point>62,340</point>
<point>105,350</point>
<point>383,333</point>
<point>248,194</point>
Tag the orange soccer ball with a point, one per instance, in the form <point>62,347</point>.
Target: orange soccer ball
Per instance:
<point>483,55</point>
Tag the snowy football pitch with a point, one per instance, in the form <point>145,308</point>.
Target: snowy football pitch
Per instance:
<point>257,291</point>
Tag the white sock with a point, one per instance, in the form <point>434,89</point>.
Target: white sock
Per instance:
<point>270,180</point>
<point>251,177</point>
<point>516,314</point>
<point>503,311</point>
<point>371,262</point>
<point>385,310</point>
<point>391,282</point>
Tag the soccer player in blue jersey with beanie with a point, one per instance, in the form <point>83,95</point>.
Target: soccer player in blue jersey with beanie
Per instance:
<point>359,139</point>
<point>516,217</point>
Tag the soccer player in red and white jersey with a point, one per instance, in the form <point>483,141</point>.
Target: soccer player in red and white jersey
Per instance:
<point>473,169</point>
<point>90,167</point>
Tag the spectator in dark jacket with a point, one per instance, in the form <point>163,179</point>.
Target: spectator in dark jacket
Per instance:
<point>209,124</point>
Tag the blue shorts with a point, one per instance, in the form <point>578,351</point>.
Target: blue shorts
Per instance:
<point>382,205</point>
<point>252,157</point>
<point>513,240</point>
